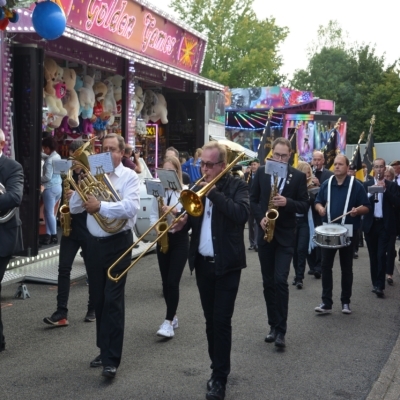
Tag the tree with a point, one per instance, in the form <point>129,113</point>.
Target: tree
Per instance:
<point>355,78</point>
<point>242,51</point>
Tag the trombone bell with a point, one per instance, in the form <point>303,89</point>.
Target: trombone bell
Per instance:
<point>191,202</point>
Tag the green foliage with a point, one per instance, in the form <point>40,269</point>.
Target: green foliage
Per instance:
<point>242,50</point>
<point>356,79</point>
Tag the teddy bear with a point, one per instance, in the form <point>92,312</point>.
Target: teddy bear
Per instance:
<point>54,89</point>
<point>71,100</point>
<point>117,82</point>
<point>86,96</point>
<point>155,107</point>
<point>109,104</point>
<point>139,100</point>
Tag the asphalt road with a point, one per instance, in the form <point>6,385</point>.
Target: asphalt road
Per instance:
<point>327,357</point>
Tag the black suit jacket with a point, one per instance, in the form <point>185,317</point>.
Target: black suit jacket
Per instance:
<point>326,174</point>
<point>12,177</point>
<point>390,207</point>
<point>295,191</point>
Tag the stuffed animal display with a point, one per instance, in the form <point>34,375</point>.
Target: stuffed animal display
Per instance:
<point>79,105</point>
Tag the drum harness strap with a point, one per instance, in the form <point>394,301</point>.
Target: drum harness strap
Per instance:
<point>347,199</point>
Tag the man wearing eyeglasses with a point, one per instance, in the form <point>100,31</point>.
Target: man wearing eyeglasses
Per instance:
<point>103,249</point>
<point>217,254</point>
<point>275,257</point>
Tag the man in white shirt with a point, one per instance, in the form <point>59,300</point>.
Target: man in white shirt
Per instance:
<point>105,248</point>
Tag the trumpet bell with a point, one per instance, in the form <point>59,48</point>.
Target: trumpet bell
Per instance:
<point>192,203</point>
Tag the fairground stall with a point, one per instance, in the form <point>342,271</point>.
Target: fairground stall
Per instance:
<point>312,119</point>
<point>83,69</point>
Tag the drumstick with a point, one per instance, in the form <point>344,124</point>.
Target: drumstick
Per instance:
<point>349,212</point>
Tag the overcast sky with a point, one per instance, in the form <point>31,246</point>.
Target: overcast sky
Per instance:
<point>365,21</point>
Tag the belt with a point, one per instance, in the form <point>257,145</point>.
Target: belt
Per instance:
<point>106,239</point>
<point>378,219</point>
<point>206,258</point>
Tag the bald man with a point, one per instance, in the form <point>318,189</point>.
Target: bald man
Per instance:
<point>320,175</point>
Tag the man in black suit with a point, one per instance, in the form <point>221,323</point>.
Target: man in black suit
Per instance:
<point>321,174</point>
<point>12,178</point>
<point>380,224</point>
<point>276,256</point>
<point>337,196</point>
<point>251,223</point>
<point>217,254</point>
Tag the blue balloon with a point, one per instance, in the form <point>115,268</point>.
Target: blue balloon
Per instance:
<point>49,20</point>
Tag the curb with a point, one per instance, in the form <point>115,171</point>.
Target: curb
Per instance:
<point>387,386</point>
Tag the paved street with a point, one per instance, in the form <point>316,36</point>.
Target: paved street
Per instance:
<point>327,357</point>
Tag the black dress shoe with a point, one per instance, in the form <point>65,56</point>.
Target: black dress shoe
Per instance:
<point>271,336</point>
<point>317,274</point>
<point>374,289</point>
<point>54,239</point>
<point>96,362</point>
<point>379,293</point>
<point>280,340</point>
<point>311,272</point>
<point>299,284</point>
<point>256,249</point>
<point>217,391</point>
<point>210,383</point>
<point>389,281</point>
<point>294,282</point>
<point>109,371</point>
<point>355,255</point>
<point>251,247</point>
<point>45,240</point>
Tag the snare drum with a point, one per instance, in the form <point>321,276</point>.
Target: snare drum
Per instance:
<point>331,236</point>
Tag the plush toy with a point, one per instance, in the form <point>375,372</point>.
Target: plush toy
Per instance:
<point>109,103</point>
<point>86,96</point>
<point>139,100</point>
<point>155,107</point>
<point>100,91</point>
<point>71,100</point>
<point>53,90</point>
<point>150,100</point>
<point>117,83</point>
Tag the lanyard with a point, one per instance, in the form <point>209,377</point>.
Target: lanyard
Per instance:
<point>347,199</point>
<point>169,197</point>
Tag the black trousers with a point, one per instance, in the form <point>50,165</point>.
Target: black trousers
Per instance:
<point>108,296</point>
<point>346,265</point>
<point>171,267</point>
<point>391,254</point>
<point>301,247</point>
<point>69,246</point>
<point>377,241</point>
<point>3,265</point>
<point>253,230</point>
<point>275,266</point>
<point>217,295</point>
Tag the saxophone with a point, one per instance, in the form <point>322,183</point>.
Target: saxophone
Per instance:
<point>161,227</point>
<point>272,213</point>
<point>65,215</point>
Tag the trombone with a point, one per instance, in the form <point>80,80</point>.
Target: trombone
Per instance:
<point>193,205</point>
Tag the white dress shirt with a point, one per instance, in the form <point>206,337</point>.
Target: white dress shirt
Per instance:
<point>206,247</point>
<point>378,213</point>
<point>126,183</point>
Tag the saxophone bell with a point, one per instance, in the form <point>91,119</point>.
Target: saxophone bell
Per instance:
<point>65,215</point>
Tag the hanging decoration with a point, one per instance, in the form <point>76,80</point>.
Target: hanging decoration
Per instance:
<point>49,20</point>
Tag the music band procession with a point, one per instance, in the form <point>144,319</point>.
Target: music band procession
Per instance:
<point>78,167</point>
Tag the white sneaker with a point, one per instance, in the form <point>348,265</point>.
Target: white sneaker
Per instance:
<point>175,322</point>
<point>166,330</point>
<point>346,309</point>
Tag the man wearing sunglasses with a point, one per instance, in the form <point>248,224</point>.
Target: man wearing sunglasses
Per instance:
<point>276,256</point>
<point>217,254</point>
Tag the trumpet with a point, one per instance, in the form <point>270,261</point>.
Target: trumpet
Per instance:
<point>193,205</point>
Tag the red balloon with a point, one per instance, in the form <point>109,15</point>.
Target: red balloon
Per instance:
<point>3,24</point>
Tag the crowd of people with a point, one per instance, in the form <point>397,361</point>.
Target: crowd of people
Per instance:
<point>308,197</point>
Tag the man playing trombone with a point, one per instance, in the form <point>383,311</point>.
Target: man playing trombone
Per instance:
<point>103,249</point>
<point>217,254</point>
